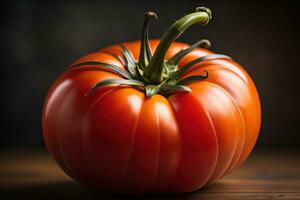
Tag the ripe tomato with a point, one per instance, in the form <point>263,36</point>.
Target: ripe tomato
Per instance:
<point>122,120</point>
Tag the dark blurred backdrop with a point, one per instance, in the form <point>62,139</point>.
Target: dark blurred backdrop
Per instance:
<point>39,39</point>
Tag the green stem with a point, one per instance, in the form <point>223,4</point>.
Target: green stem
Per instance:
<point>155,68</point>
<point>145,52</point>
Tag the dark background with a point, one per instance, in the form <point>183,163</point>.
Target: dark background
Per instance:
<point>40,39</point>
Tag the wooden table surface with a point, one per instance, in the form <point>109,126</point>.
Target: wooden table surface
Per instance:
<point>31,174</point>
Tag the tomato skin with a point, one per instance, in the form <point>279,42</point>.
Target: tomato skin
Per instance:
<point>116,139</point>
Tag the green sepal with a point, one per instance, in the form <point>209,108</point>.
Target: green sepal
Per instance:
<point>129,59</point>
<point>145,50</point>
<point>109,67</point>
<point>183,69</point>
<point>173,62</point>
<point>167,89</point>
<point>194,78</point>
<point>106,82</point>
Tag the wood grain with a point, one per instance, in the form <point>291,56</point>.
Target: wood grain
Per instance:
<point>32,174</point>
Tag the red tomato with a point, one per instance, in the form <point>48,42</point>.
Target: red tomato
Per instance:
<point>118,139</point>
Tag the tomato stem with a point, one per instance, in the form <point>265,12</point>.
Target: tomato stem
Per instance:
<point>155,69</point>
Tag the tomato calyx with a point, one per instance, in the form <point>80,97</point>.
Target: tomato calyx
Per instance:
<point>152,73</point>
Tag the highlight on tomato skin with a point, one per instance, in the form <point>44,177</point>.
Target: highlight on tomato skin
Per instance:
<point>152,116</point>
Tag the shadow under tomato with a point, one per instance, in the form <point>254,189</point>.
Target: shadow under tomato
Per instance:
<point>73,190</point>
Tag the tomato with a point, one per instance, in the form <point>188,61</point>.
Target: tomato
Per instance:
<point>174,121</point>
